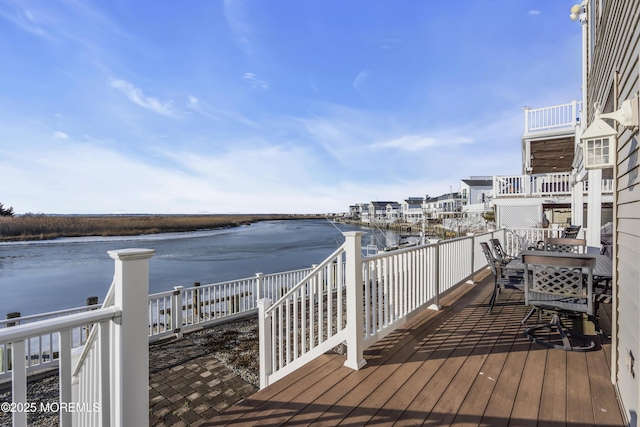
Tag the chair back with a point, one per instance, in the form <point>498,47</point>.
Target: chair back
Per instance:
<point>560,282</point>
<point>497,248</point>
<point>571,232</point>
<point>490,258</point>
<point>577,246</point>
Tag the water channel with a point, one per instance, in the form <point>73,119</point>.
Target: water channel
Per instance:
<point>42,276</point>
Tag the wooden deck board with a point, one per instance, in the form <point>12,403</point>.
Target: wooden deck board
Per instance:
<point>458,366</point>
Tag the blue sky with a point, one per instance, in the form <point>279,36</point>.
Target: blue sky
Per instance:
<point>207,106</point>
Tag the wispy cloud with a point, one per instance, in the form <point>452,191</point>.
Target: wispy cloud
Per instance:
<point>26,20</point>
<point>534,12</point>
<point>254,81</point>
<point>135,95</point>
<point>235,12</point>
<point>421,143</point>
<point>60,135</point>
<point>195,104</point>
<point>204,108</point>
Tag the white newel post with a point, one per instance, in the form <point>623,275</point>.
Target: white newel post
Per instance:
<point>355,322</point>
<point>265,342</point>
<point>19,380</point>
<point>259,286</point>
<point>176,311</point>
<point>131,338</point>
<point>436,274</point>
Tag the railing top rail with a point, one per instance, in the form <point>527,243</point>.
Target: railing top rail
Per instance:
<point>536,175</point>
<point>160,294</point>
<point>549,107</point>
<point>49,326</point>
<point>49,314</point>
<point>414,248</point>
<point>315,270</point>
<point>286,272</point>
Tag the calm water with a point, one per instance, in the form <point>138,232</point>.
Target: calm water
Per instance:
<point>36,277</point>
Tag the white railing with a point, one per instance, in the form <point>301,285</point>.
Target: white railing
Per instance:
<point>306,321</point>
<point>109,383</point>
<point>198,306</point>
<point>540,185</point>
<point>42,351</point>
<point>517,240</point>
<point>607,186</point>
<point>362,302</point>
<point>205,305</point>
<point>553,117</point>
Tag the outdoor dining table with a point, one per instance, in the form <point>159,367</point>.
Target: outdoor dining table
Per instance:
<point>603,268</point>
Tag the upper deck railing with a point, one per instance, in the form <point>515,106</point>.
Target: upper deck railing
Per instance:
<point>552,118</point>
<point>539,185</point>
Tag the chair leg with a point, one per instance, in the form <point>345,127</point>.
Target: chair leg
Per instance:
<point>566,344</point>
<point>528,315</point>
<point>492,301</point>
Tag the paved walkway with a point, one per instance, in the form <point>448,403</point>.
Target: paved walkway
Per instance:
<point>187,386</point>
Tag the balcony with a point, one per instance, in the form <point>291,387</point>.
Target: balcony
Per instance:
<point>561,118</point>
<point>540,185</point>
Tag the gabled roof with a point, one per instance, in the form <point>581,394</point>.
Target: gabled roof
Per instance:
<point>382,204</point>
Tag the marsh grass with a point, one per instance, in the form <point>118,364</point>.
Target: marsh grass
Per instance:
<point>41,227</point>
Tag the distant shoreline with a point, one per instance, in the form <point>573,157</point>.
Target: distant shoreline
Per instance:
<point>48,227</point>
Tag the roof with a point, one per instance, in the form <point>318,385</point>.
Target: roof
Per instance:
<point>376,203</point>
<point>478,182</point>
<point>414,200</point>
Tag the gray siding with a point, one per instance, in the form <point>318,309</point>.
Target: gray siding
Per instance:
<point>612,78</point>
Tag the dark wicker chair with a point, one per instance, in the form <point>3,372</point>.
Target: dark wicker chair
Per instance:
<point>571,232</point>
<point>499,252</point>
<point>502,280</point>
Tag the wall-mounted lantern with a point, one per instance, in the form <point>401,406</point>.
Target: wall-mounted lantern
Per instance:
<point>599,139</point>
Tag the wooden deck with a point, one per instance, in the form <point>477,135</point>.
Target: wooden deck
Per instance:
<point>458,366</point>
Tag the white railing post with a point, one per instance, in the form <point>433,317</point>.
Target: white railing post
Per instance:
<point>355,321</point>
<point>19,380</point>
<point>265,341</point>
<point>436,274</point>
<point>176,311</point>
<point>527,185</point>
<point>473,257</point>
<point>65,375</point>
<point>130,389</point>
<point>259,286</point>
<point>526,119</point>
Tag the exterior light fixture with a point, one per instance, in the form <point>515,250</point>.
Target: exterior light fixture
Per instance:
<point>577,10</point>
<point>599,139</point>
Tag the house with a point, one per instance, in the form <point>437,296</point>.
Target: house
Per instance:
<point>393,212</point>
<point>545,190</point>
<point>611,60</point>
<point>378,212</point>
<point>355,211</point>
<point>412,209</point>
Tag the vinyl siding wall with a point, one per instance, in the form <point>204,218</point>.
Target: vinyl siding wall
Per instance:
<point>613,78</point>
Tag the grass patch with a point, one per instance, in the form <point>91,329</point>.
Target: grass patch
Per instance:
<point>41,227</point>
